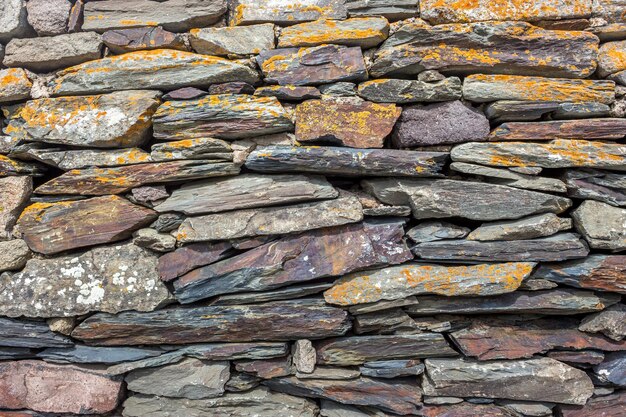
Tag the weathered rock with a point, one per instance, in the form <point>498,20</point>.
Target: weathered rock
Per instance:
<point>390,321</point>
<point>271,220</point>
<point>549,302</point>
<point>487,340</point>
<point>402,397</point>
<point>339,89</point>
<point>393,90</point>
<point>63,325</point>
<point>259,402</point>
<point>149,195</point>
<point>359,124</point>
<point>153,240</point>
<point>201,148</point>
<point>288,92</point>
<point>235,40</point>
<point>582,358</point>
<point>391,9</point>
<point>50,228</point>
<point>331,373</point>
<point>540,379</point>
<point>163,69</point>
<point>526,228</point>
<point>227,116</point>
<point>233,87</point>
<point>554,248</point>
<point>610,322</point>
<point>11,167</point>
<point>296,259</point>
<point>261,322</point>
<point>512,179</point>
<point>356,350</point>
<point>247,191</point>
<point>15,353</point>
<point>392,369</point>
<point>464,410</point>
<point>606,406</point>
<point>267,368</point>
<point>13,255</point>
<point>613,369</point>
<point>14,84</point>
<point>345,161</point>
<point>93,354</point>
<point>80,158</point>
<point>535,284</point>
<point>601,224</point>
<point>519,111</point>
<point>397,282</point>
<point>607,129</point>
<point>597,272</point>
<point>167,222</point>
<point>76,19</point>
<point>285,12</point>
<point>611,58</point>
<point>485,88</point>
<point>121,119</point>
<point>366,32</point>
<point>49,17</point>
<point>191,378</point>
<point>189,93</point>
<point>438,124</point>
<point>429,231</point>
<point>100,181</point>
<point>110,279</point>
<point>174,15</point>
<point>13,22</point>
<point>494,47</point>
<point>30,334</point>
<point>121,41</point>
<point>44,387</point>
<point>14,193</point>
<point>598,185</point>
<point>186,258</point>
<point>304,356</point>
<point>439,13</point>
<point>560,153</point>
<point>47,54</point>
<point>472,200</point>
<point>241,382</point>
<point>311,66</point>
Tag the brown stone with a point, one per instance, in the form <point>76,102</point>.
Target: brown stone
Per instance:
<point>613,405</point>
<point>187,258</point>
<point>128,40</point>
<point>607,129</point>
<point>50,228</point>
<point>465,410</point>
<point>267,368</point>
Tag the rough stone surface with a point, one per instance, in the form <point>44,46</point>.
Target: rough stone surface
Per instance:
<point>612,369</point>
<point>13,255</point>
<point>93,354</point>
<point>120,41</point>
<point>13,22</point>
<point>605,406</point>
<point>30,334</point>
<point>14,194</point>
<point>365,32</point>
<point>236,40</point>
<point>597,272</point>
<point>304,356</point>
<point>111,279</point>
<point>607,129</point>
<point>15,84</point>
<point>602,225</point>
<point>409,91</point>
<point>81,158</point>
<point>285,12</point>
<point>189,257</point>
<point>153,240</point>
<point>610,322</point>
<point>611,58</point>
<point>594,184</point>
<point>526,228</point>
<point>429,231</point>
<point>391,9</point>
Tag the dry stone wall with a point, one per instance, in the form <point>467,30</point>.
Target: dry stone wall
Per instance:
<point>302,208</point>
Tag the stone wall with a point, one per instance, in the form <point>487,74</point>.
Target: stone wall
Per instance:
<point>300,208</point>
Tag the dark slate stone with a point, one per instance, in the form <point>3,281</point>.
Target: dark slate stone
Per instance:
<point>93,354</point>
<point>30,334</point>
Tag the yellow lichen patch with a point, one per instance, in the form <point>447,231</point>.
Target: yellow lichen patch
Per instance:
<point>356,31</point>
<point>612,57</point>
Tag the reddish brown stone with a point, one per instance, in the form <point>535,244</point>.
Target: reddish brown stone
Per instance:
<point>50,228</point>
<point>595,272</point>
<point>585,357</point>
<point>288,92</point>
<point>183,260</point>
<point>267,368</point>
<point>135,39</point>
<point>613,405</point>
<point>563,129</point>
<point>185,93</point>
<point>465,410</point>
<point>233,87</point>
<point>45,387</point>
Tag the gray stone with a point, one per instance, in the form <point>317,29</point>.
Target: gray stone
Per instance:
<point>530,409</point>
<point>339,89</point>
<point>260,402</point>
<point>598,185</point>
<point>442,400</point>
<point>392,368</point>
<point>190,378</point>
<point>15,83</point>
<point>581,129</point>
<point>30,334</point>
<point>112,279</point>
<point>121,41</point>
<point>13,21</point>
<point>430,76</point>
<point>234,40</point>
<point>439,124</point>
<point>148,195</point>
<point>366,32</point>
<point>67,159</point>
<point>540,379</point>
<point>14,194</point>
<point>612,369</point>
<point>610,322</point>
<point>582,111</point>
<point>63,325</point>
<point>288,92</point>
<point>519,111</point>
<point>241,382</point>
<point>49,17</point>
<point>525,228</point>
<point>285,12</point>
<point>174,15</point>
<point>271,220</point>
<point>286,293</point>
<point>391,9</point>
<point>391,321</point>
<point>368,308</point>
<point>304,356</point>
<point>13,255</point>
<point>94,354</point>
<point>512,179</point>
<point>246,191</point>
<point>47,54</point>
<point>535,284</point>
<point>200,148</point>
<point>472,200</point>
<point>330,373</point>
<point>153,240</point>
<point>601,224</point>
<point>611,58</point>
<point>429,231</point>
<point>410,91</point>
<point>163,69</point>
<point>167,222</point>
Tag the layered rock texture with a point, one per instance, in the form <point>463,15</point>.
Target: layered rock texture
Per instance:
<point>312,208</point>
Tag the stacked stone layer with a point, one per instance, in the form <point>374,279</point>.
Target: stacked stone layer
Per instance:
<point>334,208</point>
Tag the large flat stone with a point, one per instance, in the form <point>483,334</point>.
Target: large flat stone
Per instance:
<point>260,322</point>
<point>593,184</point>
<point>227,116</point>
<point>397,282</point>
<point>49,388</point>
<point>560,153</point>
<point>117,120</point>
<point>110,279</point>
<point>331,160</point>
<point>540,379</point>
<point>515,48</point>
<point>120,41</point>
<point>174,15</point>
<point>234,40</point>
<point>393,90</point>
<point>271,220</point>
<point>14,194</point>
<point>310,66</point>
<point>50,228</point>
<point>391,9</point>
<point>601,224</point>
<point>188,257</point>
<point>356,350</point>
<point>164,69</point>
<point>465,409</point>
<point>285,12</point>
<point>14,84</point>
<point>595,272</point>
<point>520,111</point>
<point>97,354</point>
<point>483,88</point>
<point>299,258</point>
<point>246,191</point>
<point>607,129</point>
<point>30,334</point>
<point>201,148</point>
<point>472,200</point>
<point>525,228</point>
<point>366,32</point>
<point>50,53</point>
<point>115,180</point>
<point>81,158</point>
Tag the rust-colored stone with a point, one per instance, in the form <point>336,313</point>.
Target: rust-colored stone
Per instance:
<point>608,129</point>
<point>595,272</point>
<point>613,405</point>
<point>186,258</point>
